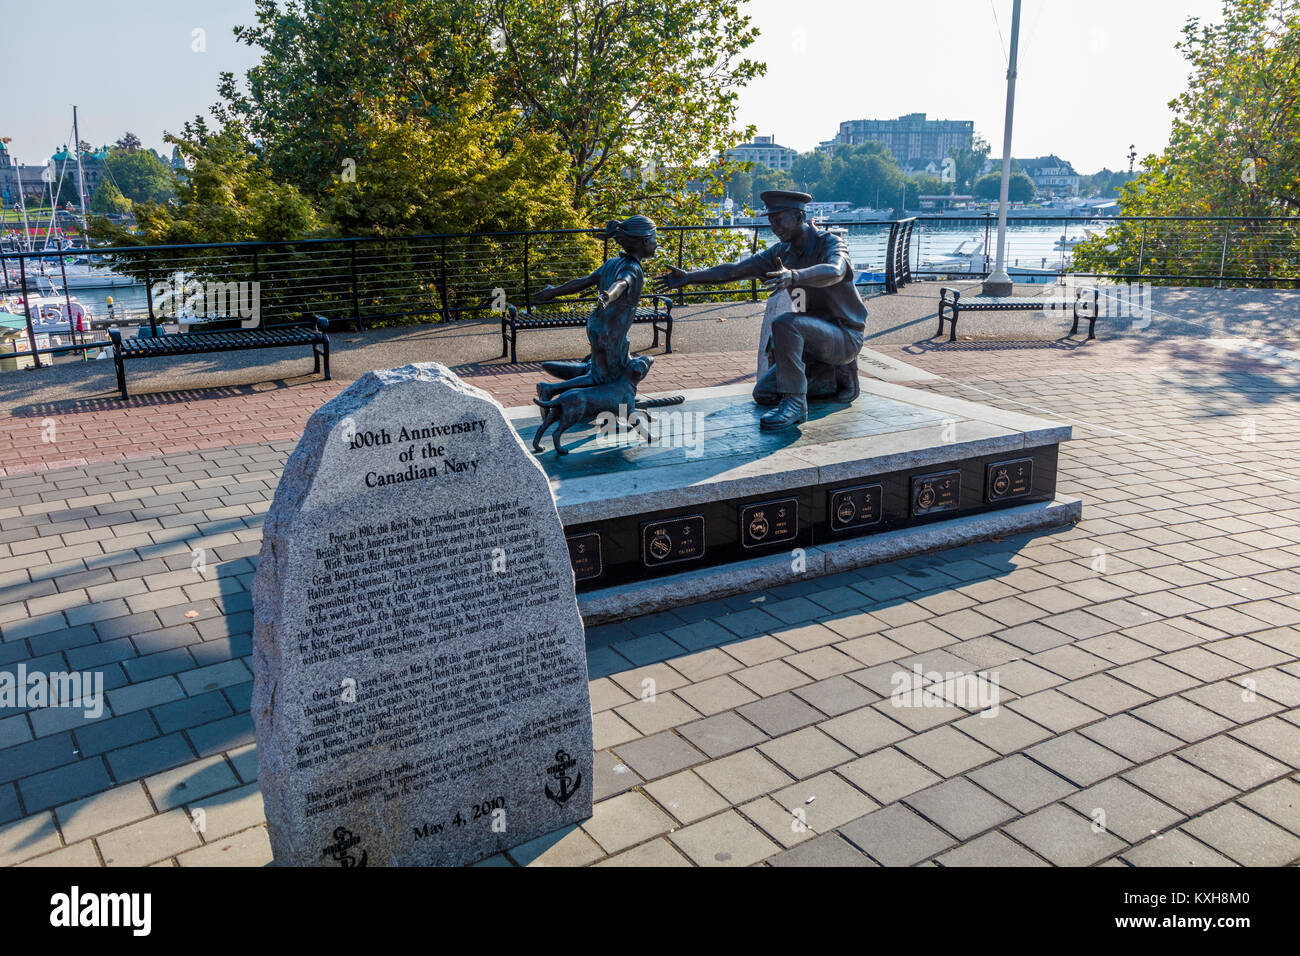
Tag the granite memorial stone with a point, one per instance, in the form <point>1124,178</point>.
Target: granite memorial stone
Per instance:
<point>420,693</point>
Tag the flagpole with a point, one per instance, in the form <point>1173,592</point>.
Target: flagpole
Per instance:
<point>999,283</point>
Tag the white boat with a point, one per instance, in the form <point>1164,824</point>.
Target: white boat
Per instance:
<point>82,273</point>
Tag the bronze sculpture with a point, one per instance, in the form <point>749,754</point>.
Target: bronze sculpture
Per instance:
<point>606,380</point>
<point>813,348</point>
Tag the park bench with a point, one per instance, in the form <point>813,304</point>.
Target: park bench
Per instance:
<point>574,315</point>
<point>229,340</point>
<point>956,304</point>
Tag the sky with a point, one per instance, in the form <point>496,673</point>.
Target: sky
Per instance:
<point>1094,75</point>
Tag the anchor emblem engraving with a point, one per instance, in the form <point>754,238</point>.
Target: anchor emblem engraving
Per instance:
<point>567,786</point>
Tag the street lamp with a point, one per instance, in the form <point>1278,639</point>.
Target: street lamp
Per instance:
<point>999,283</point>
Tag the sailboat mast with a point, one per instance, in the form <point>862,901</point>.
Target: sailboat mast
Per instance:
<point>22,204</point>
<point>81,177</point>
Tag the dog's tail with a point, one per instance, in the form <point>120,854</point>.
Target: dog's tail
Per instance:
<point>546,403</point>
<point>660,402</point>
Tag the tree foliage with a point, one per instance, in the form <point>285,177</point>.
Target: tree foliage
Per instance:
<point>140,175</point>
<point>1234,150</point>
<point>1020,188</point>
<point>108,199</point>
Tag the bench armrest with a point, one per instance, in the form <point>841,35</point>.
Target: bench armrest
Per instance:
<point>945,291</point>
<point>666,301</point>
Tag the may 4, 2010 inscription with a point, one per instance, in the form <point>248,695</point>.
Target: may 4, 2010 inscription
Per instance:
<point>420,693</point>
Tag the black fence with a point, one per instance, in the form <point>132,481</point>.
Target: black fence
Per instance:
<point>438,278</point>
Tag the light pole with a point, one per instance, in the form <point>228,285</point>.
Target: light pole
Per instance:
<point>999,283</point>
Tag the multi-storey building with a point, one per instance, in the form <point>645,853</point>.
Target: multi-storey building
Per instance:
<point>763,150</point>
<point>913,139</point>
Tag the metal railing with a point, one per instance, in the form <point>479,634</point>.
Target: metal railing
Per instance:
<point>371,280</point>
<point>449,276</point>
<point>1255,251</point>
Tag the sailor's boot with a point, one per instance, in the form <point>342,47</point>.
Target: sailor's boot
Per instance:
<point>792,410</point>
<point>846,378</point>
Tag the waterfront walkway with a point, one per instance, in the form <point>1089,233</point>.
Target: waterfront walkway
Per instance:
<point>1148,658</point>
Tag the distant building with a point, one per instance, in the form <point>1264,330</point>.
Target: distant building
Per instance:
<point>763,150</point>
<point>11,173</point>
<point>914,140</point>
<point>1052,175</point>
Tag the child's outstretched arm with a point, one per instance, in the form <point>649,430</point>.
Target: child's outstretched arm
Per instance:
<point>614,292</point>
<point>566,288</point>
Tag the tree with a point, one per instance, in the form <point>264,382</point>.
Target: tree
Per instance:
<point>634,92</point>
<point>1234,150</point>
<point>1020,188</point>
<point>129,142</point>
<point>140,175</point>
<point>810,170</point>
<point>968,163</point>
<point>108,200</point>
<point>473,172</point>
<point>865,174</point>
<point>228,196</point>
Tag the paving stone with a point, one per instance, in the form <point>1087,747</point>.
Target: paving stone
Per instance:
<point>103,811</point>
<point>826,802</point>
<point>837,695</point>
<point>152,756</point>
<point>1002,729</point>
<point>1278,802</point>
<point>780,714</point>
<point>1245,837</point>
<point>715,695</point>
<point>827,850</point>
<point>1235,699</point>
<point>896,836</point>
<point>1019,781</point>
<point>776,822</point>
<point>1063,837</point>
<point>960,807</point>
<point>63,784</point>
<point>1234,762</point>
<point>686,796</point>
<point>771,678</point>
<point>1054,710</point>
<point>1182,718</point>
<point>659,755</point>
<point>625,820</point>
<point>1104,693</point>
<point>727,839</point>
<point>722,733</point>
<point>1126,811</point>
<point>992,849</point>
<point>1078,759</point>
<point>1179,784</point>
<point>231,811</point>
<point>608,729</point>
<point>148,841</point>
<point>743,776</point>
<point>809,636</point>
<point>78,855</point>
<point>888,775</point>
<point>946,751</point>
<point>656,853</point>
<point>758,650</point>
<point>28,837</point>
<point>1175,848</point>
<point>251,847</point>
<point>569,846</point>
<point>193,781</point>
<point>656,678</point>
<point>1274,737</point>
<point>805,752</point>
<point>1023,678</point>
<point>1131,738</point>
<point>610,776</point>
<point>705,665</point>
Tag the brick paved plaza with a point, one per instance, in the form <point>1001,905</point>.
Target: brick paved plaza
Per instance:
<point>1148,659</point>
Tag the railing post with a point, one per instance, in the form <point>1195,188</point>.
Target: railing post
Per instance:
<point>1223,256</point>
<point>67,301</point>
<point>148,293</point>
<point>681,238</point>
<point>753,283</point>
<point>442,279</point>
<point>528,292</point>
<point>27,311</point>
<point>891,263</point>
<point>1142,247</point>
<point>356,298</point>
